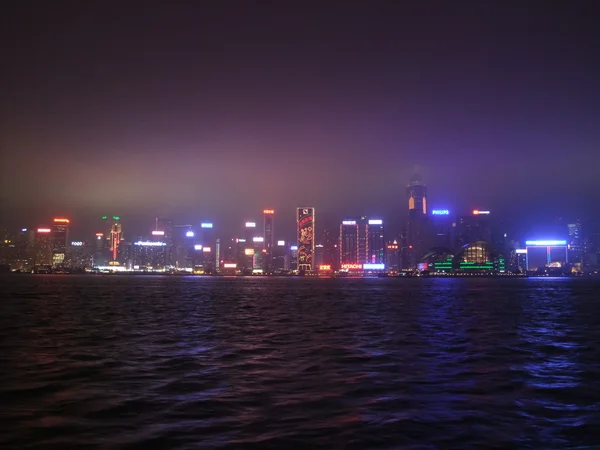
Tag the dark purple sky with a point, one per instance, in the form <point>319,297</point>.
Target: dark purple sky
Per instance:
<point>215,110</point>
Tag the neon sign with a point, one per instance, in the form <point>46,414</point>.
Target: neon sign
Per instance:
<point>61,220</point>
<point>376,222</point>
<point>206,249</point>
<point>258,239</point>
<point>150,244</point>
<point>206,225</point>
<point>374,266</point>
<point>249,252</point>
<point>250,224</point>
<point>229,265</point>
<point>441,212</point>
<point>549,243</point>
<point>44,230</point>
<point>521,251</point>
<point>77,244</point>
<point>280,243</point>
<point>158,233</point>
<point>325,267</point>
<point>268,211</point>
<point>349,222</point>
<point>352,266</point>
<point>294,248</point>
<point>189,234</point>
<point>476,212</point>
<point>197,247</point>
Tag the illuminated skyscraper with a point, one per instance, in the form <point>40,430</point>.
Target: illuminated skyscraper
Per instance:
<point>305,217</point>
<point>416,230</point>
<point>43,247</point>
<point>115,238</point>
<point>269,230</point>
<point>375,242</point>
<point>393,256</point>
<point>60,241</point>
<point>349,242</point>
<point>575,243</point>
<point>113,234</point>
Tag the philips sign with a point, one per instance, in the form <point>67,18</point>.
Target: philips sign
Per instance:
<point>440,212</point>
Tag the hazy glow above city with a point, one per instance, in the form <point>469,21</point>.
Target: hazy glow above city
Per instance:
<point>188,111</point>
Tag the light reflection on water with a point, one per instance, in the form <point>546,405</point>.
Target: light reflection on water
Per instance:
<point>161,362</point>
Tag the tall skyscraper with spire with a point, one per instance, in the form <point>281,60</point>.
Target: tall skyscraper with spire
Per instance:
<point>416,229</point>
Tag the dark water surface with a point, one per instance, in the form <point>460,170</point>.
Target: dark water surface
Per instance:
<point>165,362</point>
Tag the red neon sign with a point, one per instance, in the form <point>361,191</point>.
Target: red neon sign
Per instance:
<point>44,230</point>
<point>268,211</point>
<point>325,267</point>
<point>61,220</point>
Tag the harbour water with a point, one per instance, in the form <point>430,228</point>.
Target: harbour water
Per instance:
<point>280,363</point>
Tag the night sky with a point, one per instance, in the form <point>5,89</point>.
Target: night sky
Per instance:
<point>216,110</point>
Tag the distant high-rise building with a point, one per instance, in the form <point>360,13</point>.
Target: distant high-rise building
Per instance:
<point>349,242</point>
<point>393,256</point>
<point>184,239</point>
<point>149,254</point>
<point>165,226</point>
<point>575,242</point>
<point>115,238</point>
<point>416,230</point>
<point>60,241</point>
<point>375,242</point>
<point>80,254</point>
<point>250,231</point>
<point>113,234</point>
<point>405,260</point>
<point>268,234</point>
<point>474,227</point>
<point>441,230</point>
<point>281,256</point>
<point>43,247</point>
<point>363,239</point>
<point>330,248</point>
<point>268,237</point>
<point>305,218</point>
<point>18,250</point>
<point>101,251</point>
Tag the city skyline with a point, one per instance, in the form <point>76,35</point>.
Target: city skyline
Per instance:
<point>432,238</point>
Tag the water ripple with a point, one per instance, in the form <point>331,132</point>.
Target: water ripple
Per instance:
<point>160,362</point>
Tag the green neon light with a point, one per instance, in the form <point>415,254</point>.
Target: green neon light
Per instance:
<point>116,217</point>
<point>103,217</point>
